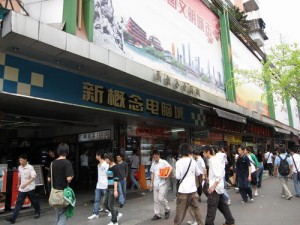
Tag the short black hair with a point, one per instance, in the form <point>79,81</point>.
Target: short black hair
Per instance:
<point>23,156</point>
<point>208,148</point>
<point>109,156</point>
<point>281,149</point>
<point>121,155</point>
<point>100,153</point>
<point>155,152</point>
<point>196,152</point>
<point>63,149</point>
<point>185,149</point>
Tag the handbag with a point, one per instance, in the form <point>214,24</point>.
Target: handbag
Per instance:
<point>180,181</point>
<point>56,198</point>
<point>298,174</point>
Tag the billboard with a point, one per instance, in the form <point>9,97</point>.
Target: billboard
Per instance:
<point>295,114</point>
<point>179,37</point>
<point>248,95</point>
<point>281,112</point>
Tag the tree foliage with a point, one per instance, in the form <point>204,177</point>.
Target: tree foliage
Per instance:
<point>281,72</point>
<point>240,16</point>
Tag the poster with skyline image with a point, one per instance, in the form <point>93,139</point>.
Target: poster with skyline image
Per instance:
<point>178,37</point>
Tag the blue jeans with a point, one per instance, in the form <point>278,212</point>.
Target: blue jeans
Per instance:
<point>134,181</point>
<point>110,202</point>
<point>296,184</point>
<point>98,194</point>
<point>259,174</point>
<point>61,218</point>
<point>122,191</point>
<point>20,200</point>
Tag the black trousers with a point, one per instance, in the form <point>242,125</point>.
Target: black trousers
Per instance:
<point>20,200</point>
<point>215,202</point>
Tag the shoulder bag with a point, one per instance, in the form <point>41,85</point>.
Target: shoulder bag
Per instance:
<point>180,181</point>
<point>56,198</point>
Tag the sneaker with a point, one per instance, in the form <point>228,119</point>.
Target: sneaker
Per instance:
<point>282,196</point>
<point>119,216</point>
<point>11,220</point>
<point>106,210</point>
<point>255,193</point>
<point>101,210</point>
<point>195,223</point>
<point>156,217</point>
<point>242,201</point>
<point>289,198</point>
<point>94,216</point>
<point>121,205</point>
<point>111,223</point>
<point>190,222</point>
<point>251,200</point>
<point>109,214</point>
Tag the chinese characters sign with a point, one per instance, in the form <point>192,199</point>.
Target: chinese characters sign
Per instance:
<point>119,99</point>
<point>95,136</point>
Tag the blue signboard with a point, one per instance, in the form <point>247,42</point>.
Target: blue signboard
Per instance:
<point>28,78</point>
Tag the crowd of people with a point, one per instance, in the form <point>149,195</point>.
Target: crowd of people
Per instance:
<point>190,173</point>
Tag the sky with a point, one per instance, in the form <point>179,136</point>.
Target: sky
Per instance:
<point>281,16</point>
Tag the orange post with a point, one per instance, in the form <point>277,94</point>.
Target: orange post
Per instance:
<point>142,177</point>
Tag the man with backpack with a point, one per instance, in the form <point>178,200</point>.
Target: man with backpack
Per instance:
<point>283,167</point>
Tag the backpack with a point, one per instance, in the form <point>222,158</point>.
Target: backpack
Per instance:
<point>284,167</point>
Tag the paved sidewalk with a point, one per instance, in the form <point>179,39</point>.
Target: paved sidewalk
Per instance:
<point>268,209</point>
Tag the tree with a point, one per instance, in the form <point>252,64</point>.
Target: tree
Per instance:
<point>281,72</point>
<point>241,17</point>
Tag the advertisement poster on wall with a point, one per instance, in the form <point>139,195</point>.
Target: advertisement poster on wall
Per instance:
<point>281,112</point>
<point>184,44</point>
<point>295,114</point>
<point>249,95</point>
<point>3,179</point>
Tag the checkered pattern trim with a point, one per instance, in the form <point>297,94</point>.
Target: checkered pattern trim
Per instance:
<point>12,74</point>
<point>199,118</point>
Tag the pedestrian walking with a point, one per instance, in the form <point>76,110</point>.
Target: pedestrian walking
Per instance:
<point>296,170</point>
<point>187,197</point>
<point>135,162</point>
<point>27,176</point>
<point>102,183</point>
<point>283,168</point>
<point>122,174</point>
<point>62,174</point>
<point>172,181</point>
<point>254,168</point>
<point>112,189</point>
<point>216,190</point>
<point>159,185</point>
<point>84,169</point>
<point>202,167</point>
<point>268,159</point>
<point>260,170</point>
<point>243,170</point>
<point>222,156</point>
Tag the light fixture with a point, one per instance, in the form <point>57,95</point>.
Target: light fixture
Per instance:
<point>176,130</point>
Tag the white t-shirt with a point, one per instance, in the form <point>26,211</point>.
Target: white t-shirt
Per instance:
<point>25,174</point>
<point>102,175</point>
<point>269,158</point>
<point>158,181</point>
<point>297,161</point>
<point>201,164</point>
<point>188,184</point>
<point>216,172</point>
<point>252,164</point>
